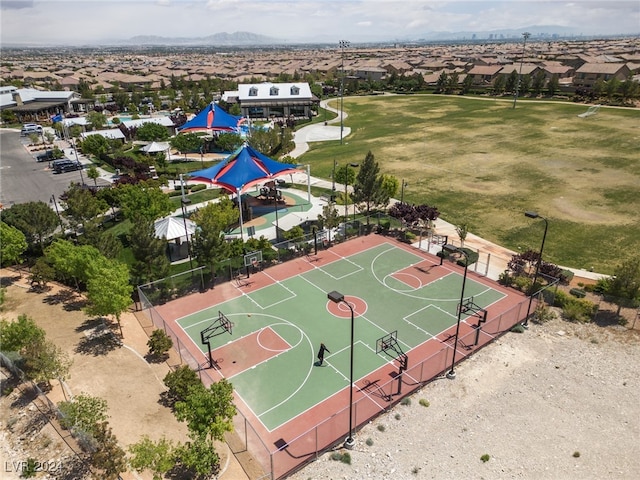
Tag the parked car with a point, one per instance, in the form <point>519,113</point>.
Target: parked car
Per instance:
<point>29,128</point>
<point>62,166</point>
<point>45,156</point>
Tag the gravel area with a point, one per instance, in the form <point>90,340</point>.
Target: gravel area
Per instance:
<point>560,401</point>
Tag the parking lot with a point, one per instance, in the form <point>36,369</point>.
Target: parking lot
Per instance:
<point>24,179</point>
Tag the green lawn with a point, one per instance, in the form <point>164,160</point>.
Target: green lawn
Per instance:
<point>484,163</point>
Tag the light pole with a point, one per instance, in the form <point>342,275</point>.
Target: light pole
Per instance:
<point>404,184</point>
<point>55,205</point>
<point>333,182</point>
<point>275,206</point>
<point>453,249</point>
<point>343,44</point>
<point>186,201</point>
<point>535,275</point>
<point>337,297</point>
<point>346,182</point>
<point>525,35</point>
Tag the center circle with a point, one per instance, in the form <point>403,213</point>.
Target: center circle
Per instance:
<point>341,310</point>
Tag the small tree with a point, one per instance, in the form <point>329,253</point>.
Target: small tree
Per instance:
<point>44,361</point>
<point>93,174</point>
<point>158,457</point>
<point>159,343</point>
<point>84,413</point>
<point>462,230</point>
<point>109,291</point>
<point>15,336</point>
<point>107,456</point>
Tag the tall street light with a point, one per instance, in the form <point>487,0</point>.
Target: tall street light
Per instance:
<point>343,44</point>
<point>535,275</point>
<point>453,249</point>
<point>404,184</point>
<point>186,201</point>
<point>346,182</point>
<point>337,297</point>
<point>525,35</point>
<point>55,205</point>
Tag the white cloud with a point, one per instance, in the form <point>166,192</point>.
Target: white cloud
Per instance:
<point>90,21</point>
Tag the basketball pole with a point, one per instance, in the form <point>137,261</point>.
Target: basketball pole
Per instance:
<point>451,374</point>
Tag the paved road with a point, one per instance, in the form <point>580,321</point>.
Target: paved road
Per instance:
<point>22,179</point>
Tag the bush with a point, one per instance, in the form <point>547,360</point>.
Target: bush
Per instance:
<point>575,309</point>
<point>504,278</point>
<point>159,343</point>
<point>485,458</point>
<point>198,187</point>
<point>424,403</point>
<point>522,283</point>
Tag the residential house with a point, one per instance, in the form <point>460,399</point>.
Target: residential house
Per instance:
<point>590,73</point>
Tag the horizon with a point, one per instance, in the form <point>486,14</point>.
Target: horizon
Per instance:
<point>114,22</point>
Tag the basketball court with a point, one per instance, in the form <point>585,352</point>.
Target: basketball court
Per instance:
<point>263,333</point>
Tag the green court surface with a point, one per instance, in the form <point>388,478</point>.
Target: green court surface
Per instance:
<point>286,381</point>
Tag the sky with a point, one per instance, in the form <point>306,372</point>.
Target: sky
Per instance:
<point>84,22</point>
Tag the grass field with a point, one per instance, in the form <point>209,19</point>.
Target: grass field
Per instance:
<point>483,163</point>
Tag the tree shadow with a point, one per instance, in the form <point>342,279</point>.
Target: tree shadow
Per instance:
<point>99,340</point>
<point>154,358</point>
<point>27,395</point>
<point>167,400</point>
<point>64,295</point>
<point>8,280</point>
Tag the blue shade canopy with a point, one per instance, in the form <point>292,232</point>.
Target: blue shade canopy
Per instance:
<point>243,169</point>
<point>212,118</point>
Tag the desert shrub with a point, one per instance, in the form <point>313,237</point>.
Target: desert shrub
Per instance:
<point>397,416</point>
<point>485,458</point>
<point>543,313</point>
<point>517,328</point>
<point>369,442</point>
<point>424,402</point>
<point>381,428</point>
<point>578,310</point>
<point>504,278</point>
<point>522,283</point>
<point>405,401</point>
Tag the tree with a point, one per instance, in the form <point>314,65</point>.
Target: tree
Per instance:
<point>180,381</point>
<point>83,413</point>
<point>95,145</point>
<point>159,343</point>
<point>151,132</point>
<point>367,188</point>
<point>16,335</point>
<point>93,174</point>
<point>462,230</point>
<point>229,142</point>
<point>200,456</point>
<point>108,290</point>
<point>73,261</point>
<point>538,83</point>
<point>499,85</point>
<point>209,244</point>
<point>208,412</point>
<point>390,185</point>
<point>441,84</point>
<point>44,360</point>
<point>151,262</point>
<point>34,219</point>
<point>97,120</point>
<point>158,457</point>
<point>611,88</point>
<point>143,201</point>
<point>107,455</point>
<point>512,81</point>
<point>624,286</point>
<point>13,244</point>
<point>330,218</point>
<point>554,85</point>
<point>185,143</point>
<point>81,206</point>
<point>467,84</point>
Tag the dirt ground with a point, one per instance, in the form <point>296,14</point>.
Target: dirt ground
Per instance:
<point>101,367</point>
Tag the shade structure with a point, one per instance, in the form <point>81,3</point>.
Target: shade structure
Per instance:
<point>174,227</point>
<point>155,147</point>
<point>212,119</point>
<point>243,169</point>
